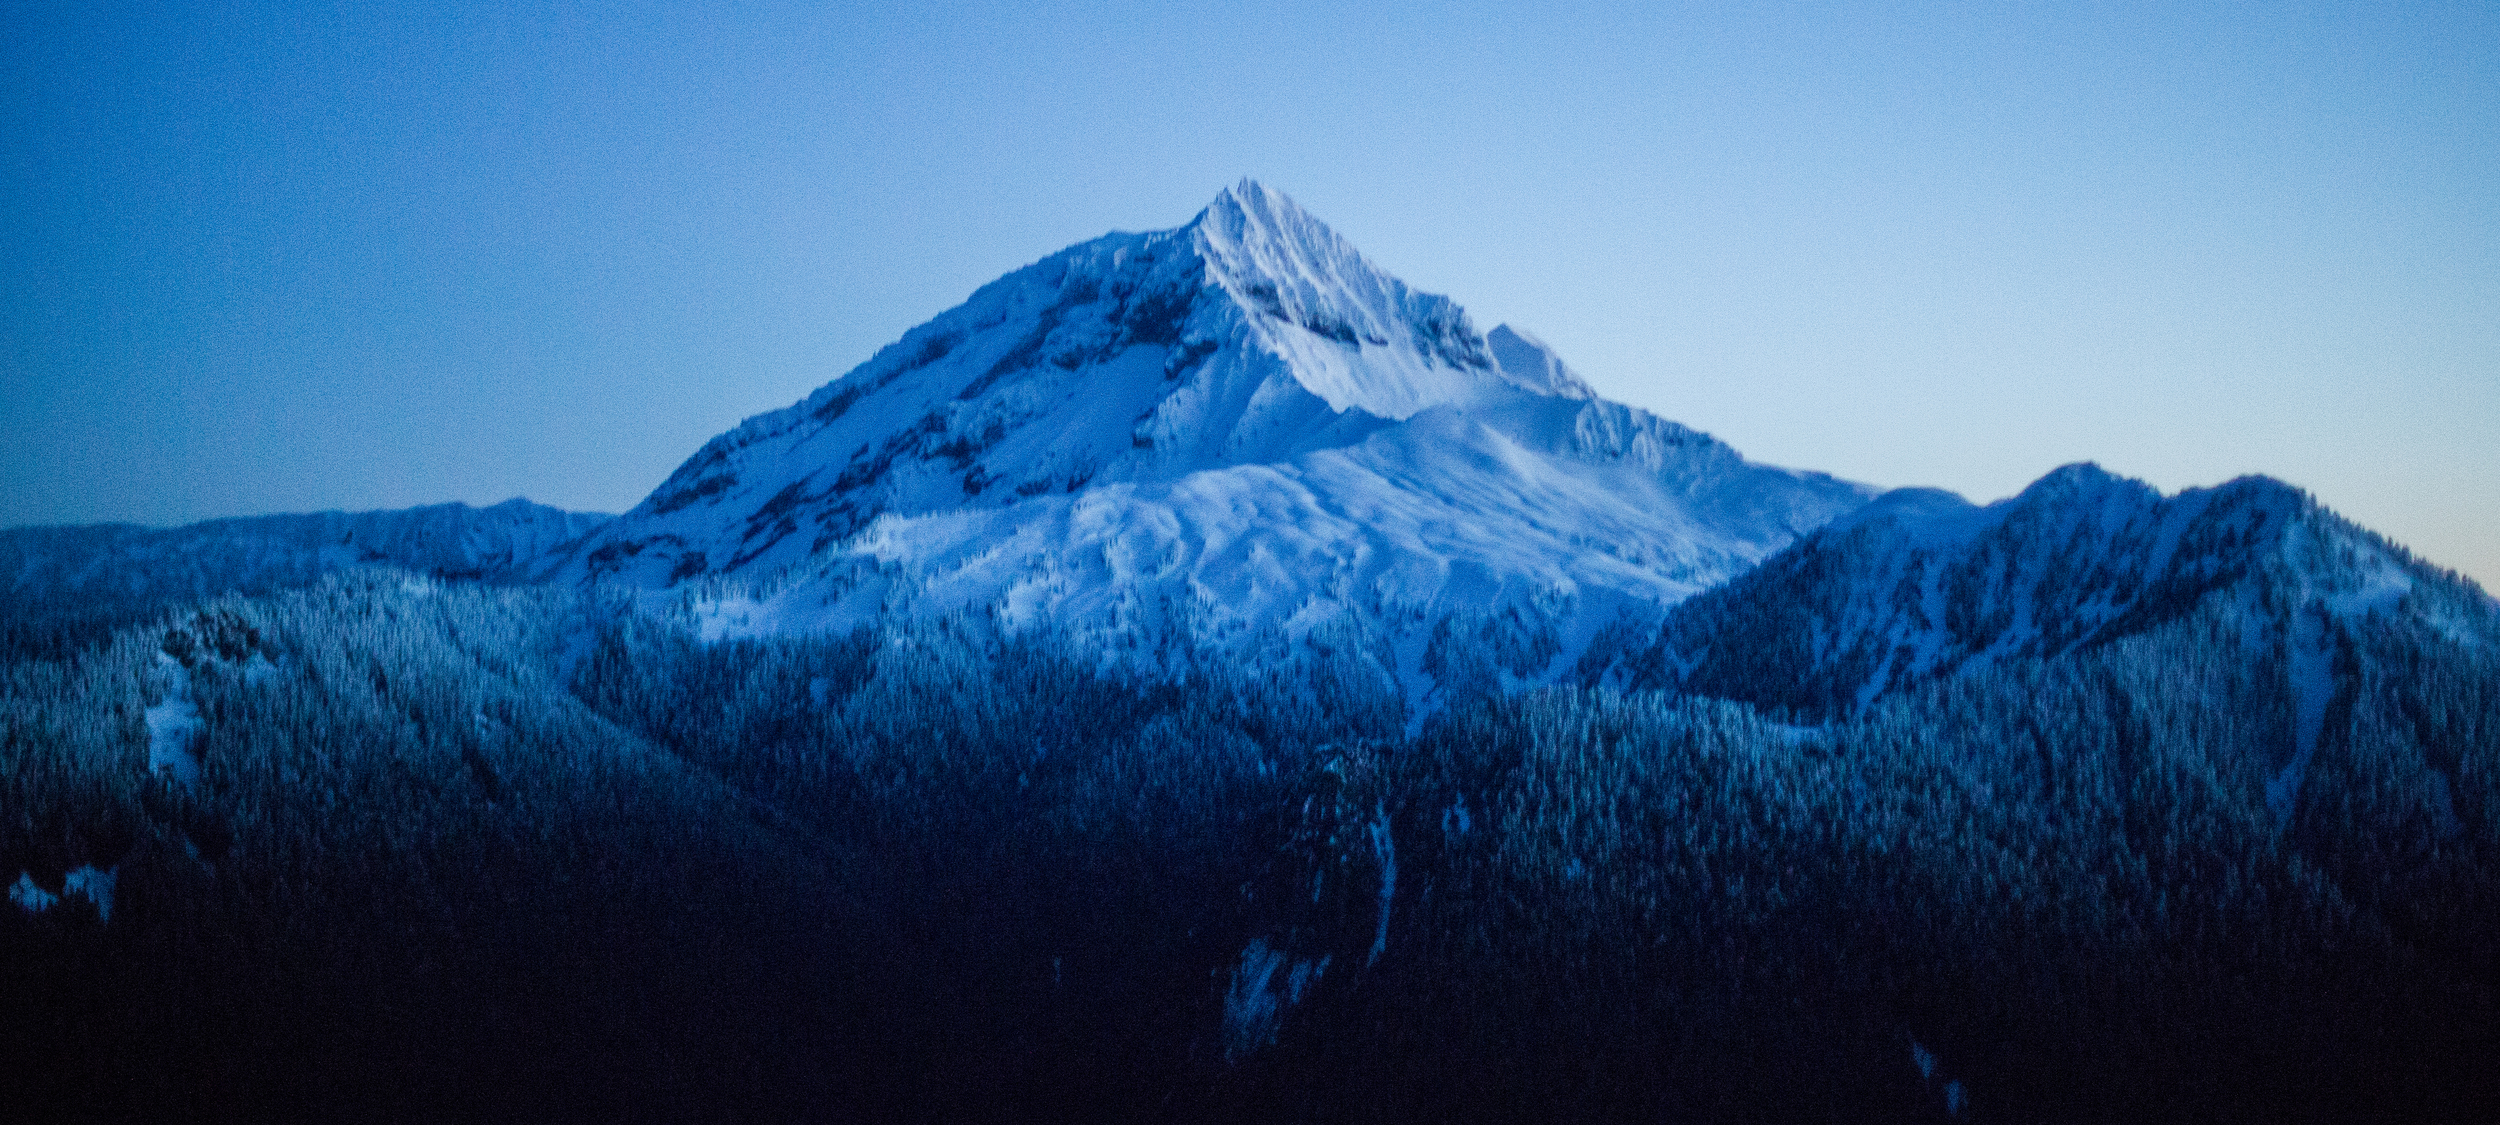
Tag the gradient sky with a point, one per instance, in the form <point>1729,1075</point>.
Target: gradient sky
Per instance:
<point>289,257</point>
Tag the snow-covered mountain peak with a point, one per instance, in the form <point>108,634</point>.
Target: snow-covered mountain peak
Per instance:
<point>1248,228</point>
<point>1251,335</point>
<point>1345,330</point>
<point>1233,426</point>
<point>1252,239</point>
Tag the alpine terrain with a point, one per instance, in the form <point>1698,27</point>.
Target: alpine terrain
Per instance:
<point>1227,433</point>
<point>1200,678</point>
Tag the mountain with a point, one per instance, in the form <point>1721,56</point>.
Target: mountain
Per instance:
<point>2092,804</point>
<point>1921,586</point>
<point>1229,432</point>
<point>121,572</point>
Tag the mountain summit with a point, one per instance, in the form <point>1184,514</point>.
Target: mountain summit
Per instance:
<point>1240,422</point>
<point>1252,334</point>
<point>1350,333</point>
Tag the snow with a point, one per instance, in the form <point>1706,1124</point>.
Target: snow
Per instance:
<point>95,885</point>
<point>2312,662</point>
<point>1422,695</point>
<point>1465,521</point>
<point>1527,362</point>
<point>1929,517</point>
<point>1919,584</point>
<point>26,894</point>
<point>84,881</point>
<point>2378,591</point>
<point>1925,584</point>
<point>1255,1001</point>
<point>726,618</point>
<point>1229,433</point>
<point>173,725</point>
<point>258,552</point>
<point>2344,576</point>
<point>1956,1095</point>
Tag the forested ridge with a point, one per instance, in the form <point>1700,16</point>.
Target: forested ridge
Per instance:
<point>455,850</point>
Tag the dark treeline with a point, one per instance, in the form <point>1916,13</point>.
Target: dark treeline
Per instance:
<point>460,851</point>
<point>2061,880</point>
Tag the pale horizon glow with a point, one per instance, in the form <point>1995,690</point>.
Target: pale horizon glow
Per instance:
<point>261,260</point>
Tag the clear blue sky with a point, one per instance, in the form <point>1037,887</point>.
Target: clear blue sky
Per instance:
<point>287,257</point>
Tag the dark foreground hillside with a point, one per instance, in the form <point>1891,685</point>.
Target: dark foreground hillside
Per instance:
<point>455,852</point>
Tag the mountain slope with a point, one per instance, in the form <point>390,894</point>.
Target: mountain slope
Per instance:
<point>1920,586</point>
<point>1236,428</point>
<point>107,574</point>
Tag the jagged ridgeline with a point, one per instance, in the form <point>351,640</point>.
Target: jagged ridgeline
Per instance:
<point>1201,678</point>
